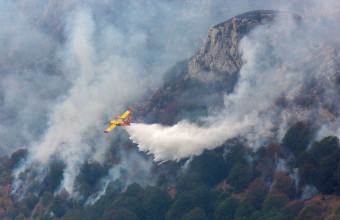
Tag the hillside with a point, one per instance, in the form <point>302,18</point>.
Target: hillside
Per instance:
<point>278,181</point>
<point>263,67</point>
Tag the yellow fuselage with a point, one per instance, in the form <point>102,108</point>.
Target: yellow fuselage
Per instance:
<point>117,122</point>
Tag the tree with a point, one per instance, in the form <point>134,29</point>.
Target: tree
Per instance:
<point>134,190</point>
<point>24,210</point>
<point>265,168</point>
<point>13,211</point>
<point>91,172</point>
<point>47,198</point>
<point>88,177</point>
<point>227,209</point>
<point>293,208</point>
<point>121,214</point>
<point>103,204</point>
<point>319,165</point>
<point>130,203</point>
<point>195,214</point>
<point>337,179</point>
<point>30,201</point>
<point>304,157</point>
<point>198,197</point>
<point>156,203</point>
<point>203,198</point>
<point>236,153</point>
<point>307,173</point>
<point>17,157</point>
<point>187,182</point>
<point>257,192</point>
<point>210,166</point>
<point>275,150</point>
<point>58,207</point>
<point>244,210</point>
<point>114,188</point>
<point>239,177</point>
<point>326,147</point>
<point>182,204</point>
<point>54,177</point>
<point>218,196</point>
<point>275,201</point>
<point>284,184</point>
<point>324,173</point>
<point>297,137</point>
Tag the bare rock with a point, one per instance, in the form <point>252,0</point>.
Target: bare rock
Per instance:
<point>220,57</point>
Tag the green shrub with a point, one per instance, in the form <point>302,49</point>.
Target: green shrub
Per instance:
<point>156,203</point>
<point>195,214</point>
<point>244,210</point>
<point>297,137</point>
<point>210,166</point>
<point>47,198</point>
<point>275,201</point>
<point>227,209</point>
<point>30,201</point>
<point>239,177</point>
<point>58,207</point>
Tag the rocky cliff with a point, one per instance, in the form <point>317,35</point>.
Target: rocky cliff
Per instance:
<point>220,57</point>
<point>213,71</point>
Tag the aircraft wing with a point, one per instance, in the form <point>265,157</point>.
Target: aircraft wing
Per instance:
<point>109,129</point>
<point>126,113</point>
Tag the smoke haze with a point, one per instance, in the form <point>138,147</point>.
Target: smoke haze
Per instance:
<point>66,66</point>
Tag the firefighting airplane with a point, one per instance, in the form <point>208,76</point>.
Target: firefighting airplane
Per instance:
<point>120,122</point>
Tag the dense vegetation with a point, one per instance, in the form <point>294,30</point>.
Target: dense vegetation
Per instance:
<point>277,181</point>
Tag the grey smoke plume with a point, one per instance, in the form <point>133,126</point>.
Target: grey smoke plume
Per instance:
<point>72,123</point>
<point>279,61</point>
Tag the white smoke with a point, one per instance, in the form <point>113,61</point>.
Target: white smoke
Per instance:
<point>308,192</point>
<point>329,129</point>
<point>183,139</point>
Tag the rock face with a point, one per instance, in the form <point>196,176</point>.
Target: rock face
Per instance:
<point>214,69</point>
<point>219,57</point>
